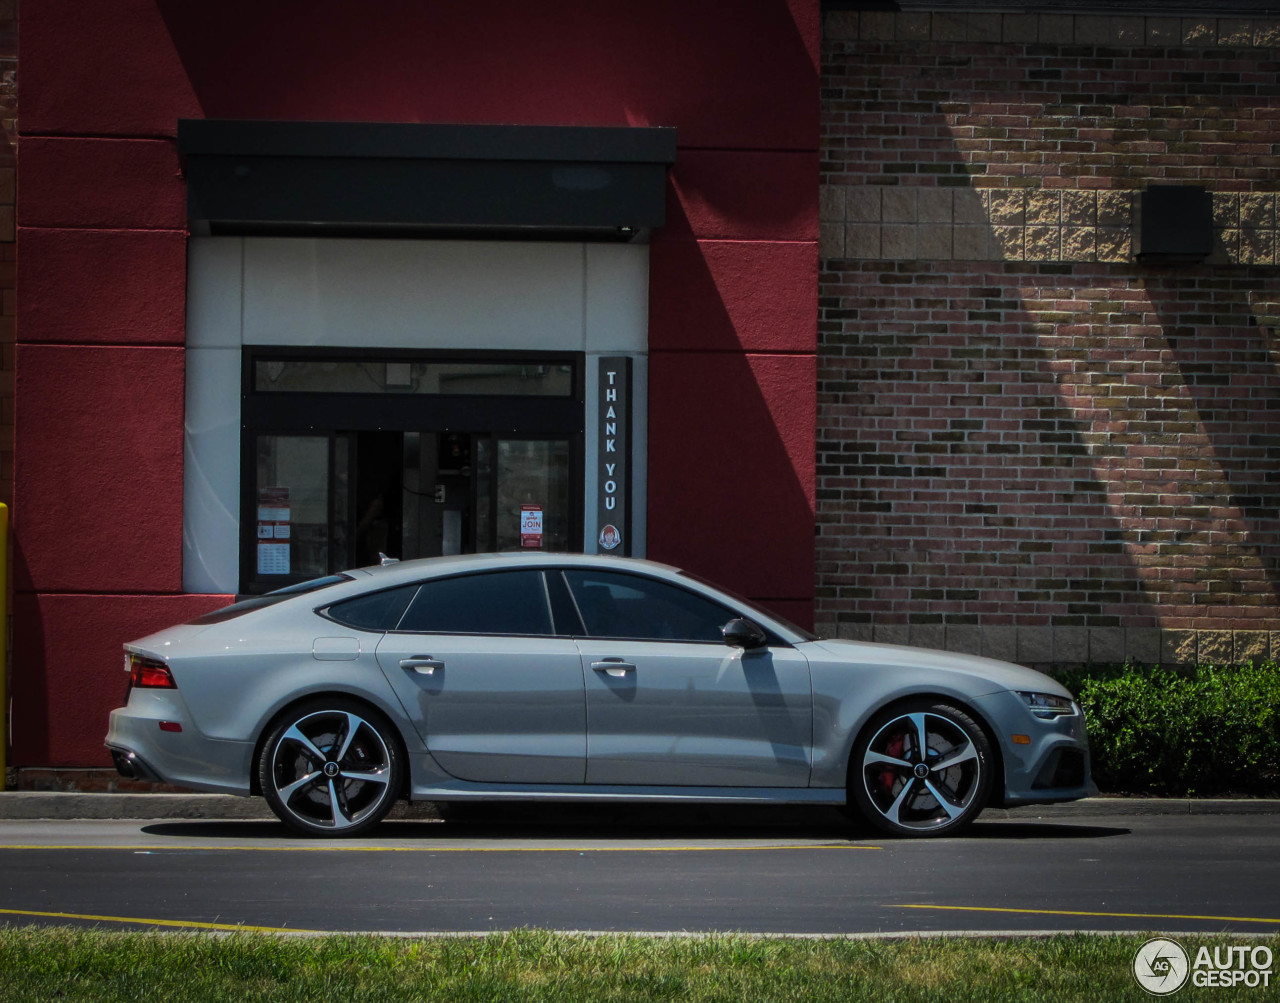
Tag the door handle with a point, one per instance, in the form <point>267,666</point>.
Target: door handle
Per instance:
<point>423,664</point>
<point>614,667</point>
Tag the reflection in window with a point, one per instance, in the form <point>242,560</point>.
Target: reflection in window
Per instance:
<point>377,376</point>
<point>533,477</point>
<point>292,505</point>
<point>620,605</point>
<point>502,602</point>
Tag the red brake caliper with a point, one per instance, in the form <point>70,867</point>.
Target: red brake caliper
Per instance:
<point>892,748</point>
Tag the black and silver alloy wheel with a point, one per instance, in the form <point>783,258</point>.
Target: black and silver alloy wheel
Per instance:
<point>922,769</point>
<point>331,768</point>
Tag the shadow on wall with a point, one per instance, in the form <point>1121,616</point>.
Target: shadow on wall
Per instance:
<point>964,479</point>
<point>1221,529</point>
<point>1017,424</point>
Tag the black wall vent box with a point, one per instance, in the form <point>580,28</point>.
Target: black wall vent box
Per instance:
<point>1175,224</point>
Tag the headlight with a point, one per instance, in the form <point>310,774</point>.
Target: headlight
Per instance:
<point>1047,706</point>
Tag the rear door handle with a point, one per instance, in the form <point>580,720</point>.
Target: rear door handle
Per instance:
<point>613,667</point>
<point>423,664</point>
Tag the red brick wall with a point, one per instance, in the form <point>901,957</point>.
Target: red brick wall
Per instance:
<point>8,189</point>
<point>1030,444</point>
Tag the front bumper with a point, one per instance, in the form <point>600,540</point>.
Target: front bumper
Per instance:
<point>1053,765</point>
<point>186,758</point>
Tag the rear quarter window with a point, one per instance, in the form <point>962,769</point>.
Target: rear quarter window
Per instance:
<point>378,611</point>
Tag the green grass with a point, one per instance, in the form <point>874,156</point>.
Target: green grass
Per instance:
<point>88,964</point>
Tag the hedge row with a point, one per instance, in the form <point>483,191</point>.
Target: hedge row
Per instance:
<point>1211,732</point>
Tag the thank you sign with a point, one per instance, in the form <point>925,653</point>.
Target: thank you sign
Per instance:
<point>613,439</point>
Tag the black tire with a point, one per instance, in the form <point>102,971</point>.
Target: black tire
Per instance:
<point>331,767</point>
<point>894,780</point>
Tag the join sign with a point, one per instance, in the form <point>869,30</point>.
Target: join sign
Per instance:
<point>531,525</point>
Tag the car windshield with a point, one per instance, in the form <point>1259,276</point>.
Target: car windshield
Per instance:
<point>805,635</point>
<point>270,599</point>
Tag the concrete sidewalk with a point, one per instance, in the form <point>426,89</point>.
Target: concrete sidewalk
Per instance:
<point>59,805</point>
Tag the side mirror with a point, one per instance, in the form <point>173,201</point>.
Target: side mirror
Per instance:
<point>740,633</point>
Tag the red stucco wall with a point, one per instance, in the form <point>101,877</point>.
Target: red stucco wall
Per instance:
<point>100,317</point>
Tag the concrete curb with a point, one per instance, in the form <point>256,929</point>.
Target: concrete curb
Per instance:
<point>62,805</point>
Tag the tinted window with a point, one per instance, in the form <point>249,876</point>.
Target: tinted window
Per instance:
<point>379,611</point>
<point>621,605</point>
<point>503,602</point>
<point>270,599</point>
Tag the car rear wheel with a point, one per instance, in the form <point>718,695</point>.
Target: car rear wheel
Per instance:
<point>921,769</point>
<point>331,768</point>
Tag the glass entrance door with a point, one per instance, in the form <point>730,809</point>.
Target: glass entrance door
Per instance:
<point>349,464</point>
<point>433,494</point>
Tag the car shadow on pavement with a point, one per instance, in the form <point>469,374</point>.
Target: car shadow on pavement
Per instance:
<point>608,823</point>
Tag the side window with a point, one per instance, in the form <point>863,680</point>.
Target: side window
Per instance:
<point>500,602</point>
<point>379,611</point>
<point>614,604</point>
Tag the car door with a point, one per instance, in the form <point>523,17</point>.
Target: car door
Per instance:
<point>494,693</point>
<point>669,703</point>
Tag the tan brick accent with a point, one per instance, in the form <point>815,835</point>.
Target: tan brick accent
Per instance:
<point>1001,643</point>
<point>1199,32</point>
<point>1251,646</point>
<point>1106,645</point>
<point>1142,645</point>
<point>1019,28</point>
<point>1079,29</point>
<point>831,240</point>
<point>1214,647</point>
<point>1070,644</point>
<point>1179,647</point>
<point>1079,243</point>
<point>831,202</point>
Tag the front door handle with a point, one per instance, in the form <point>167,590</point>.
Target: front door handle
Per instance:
<point>613,666</point>
<point>423,664</point>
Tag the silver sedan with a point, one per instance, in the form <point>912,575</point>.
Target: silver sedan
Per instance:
<point>562,677</point>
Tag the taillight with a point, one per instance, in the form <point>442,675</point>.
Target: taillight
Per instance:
<point>147,672</point>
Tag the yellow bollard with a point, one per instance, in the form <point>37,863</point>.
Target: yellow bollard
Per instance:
<point>4,641</point>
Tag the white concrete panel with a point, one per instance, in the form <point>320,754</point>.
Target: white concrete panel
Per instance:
<point>211,472</point>
<point>617,307</point>
<point>485,295</point>
<point>214,281</point>
<point>590,298</point>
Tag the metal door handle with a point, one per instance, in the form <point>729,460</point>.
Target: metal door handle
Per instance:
<point>423,664</point>
<point>613,666</point>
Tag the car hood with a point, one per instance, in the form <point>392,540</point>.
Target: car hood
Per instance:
<point>1001,675</point>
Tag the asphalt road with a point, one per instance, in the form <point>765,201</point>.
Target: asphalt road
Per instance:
<point>605,869</point>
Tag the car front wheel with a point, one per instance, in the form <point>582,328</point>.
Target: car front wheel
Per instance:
<point>921,769</point>
<point>331,768</point>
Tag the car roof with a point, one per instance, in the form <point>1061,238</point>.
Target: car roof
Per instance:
<point>423,567</point>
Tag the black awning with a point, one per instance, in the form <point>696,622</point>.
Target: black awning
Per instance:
<point>438,180</point>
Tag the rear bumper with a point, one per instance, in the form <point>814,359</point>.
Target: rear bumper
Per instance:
<point>130,766</point>
<point>186,758</point>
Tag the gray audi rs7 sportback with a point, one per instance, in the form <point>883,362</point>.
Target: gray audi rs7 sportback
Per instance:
<point>563,677</point>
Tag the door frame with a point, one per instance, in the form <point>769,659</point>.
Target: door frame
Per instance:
<point>328,414</point>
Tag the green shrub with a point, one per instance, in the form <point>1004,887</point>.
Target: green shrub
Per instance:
<point>1211,732</point>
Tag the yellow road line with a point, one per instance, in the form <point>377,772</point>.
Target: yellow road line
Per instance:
<point>185,923</point>
<point>1108,915</point>
<point>290,848</point>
